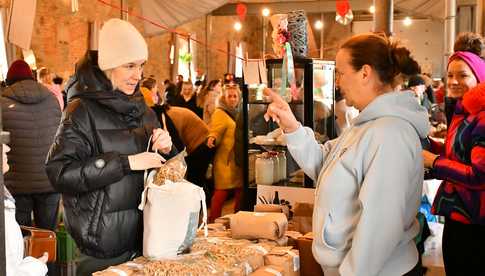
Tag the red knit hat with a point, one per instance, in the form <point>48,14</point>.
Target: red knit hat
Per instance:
<point>19,70</point>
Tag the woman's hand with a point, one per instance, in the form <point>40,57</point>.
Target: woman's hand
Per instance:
<point>161,141</point>
<point>44,258</point>
<point>280,112</point>
<point>145,160</point>
<point>211,142</point>
<point>429,158</point>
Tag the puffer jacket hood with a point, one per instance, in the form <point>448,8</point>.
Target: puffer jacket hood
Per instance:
<point>27,92</point>
<point>397,104</point>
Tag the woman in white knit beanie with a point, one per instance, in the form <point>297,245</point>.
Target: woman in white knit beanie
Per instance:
<point>98,156</point>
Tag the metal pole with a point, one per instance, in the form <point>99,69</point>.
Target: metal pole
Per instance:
<point>264,36</point>
<point>450,12</point>
<point>321,36</point>
<point>124,5</point>
<point>383,16</point>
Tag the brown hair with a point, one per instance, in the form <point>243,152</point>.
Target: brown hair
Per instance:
<point>42,73</point>
<point>469,42</point>
<point>149,83</point>
<point>205,90</point>
<point>386,57</point>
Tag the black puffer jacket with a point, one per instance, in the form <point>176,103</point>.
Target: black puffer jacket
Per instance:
<point>88,163</point>
<point>32,115</point>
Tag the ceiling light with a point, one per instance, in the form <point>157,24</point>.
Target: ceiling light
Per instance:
<point>407,21</point>
<point>372,9</point>
<point>265,12</point>
<point>237,26</point>
<point>318,25</point>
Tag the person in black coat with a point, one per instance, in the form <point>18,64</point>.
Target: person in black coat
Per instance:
<point>31,114</point>
<point>99,153</point>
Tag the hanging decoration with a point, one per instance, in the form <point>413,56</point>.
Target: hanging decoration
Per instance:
<point>241,11</point>
<point>185,57</point>
<point>344,13</point>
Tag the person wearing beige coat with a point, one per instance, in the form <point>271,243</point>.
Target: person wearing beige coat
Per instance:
<point>227,175</point>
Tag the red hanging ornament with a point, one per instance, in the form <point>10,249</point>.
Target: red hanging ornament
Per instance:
<point>343,6</point>
<point>344,14</point>
<point>241,11</point>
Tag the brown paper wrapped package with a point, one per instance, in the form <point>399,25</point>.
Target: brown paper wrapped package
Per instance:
<point>279,242</point>
<point>292,237</point>
<point>131,268</point>
<point>251,225</point>
<point>285,257</point>
<point>269,270</point>
<point>308,264</point>
<point>272,208</point>
<point>302,217</point>
<point>224,220</point>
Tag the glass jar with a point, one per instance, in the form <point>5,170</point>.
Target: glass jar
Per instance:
<point>282,165</point>
<point>264,167</point>
<point>276,173</point>
<point>252,153</point>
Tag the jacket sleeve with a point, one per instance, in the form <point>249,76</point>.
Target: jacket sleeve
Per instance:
<point>29,266</point>
<point>472,176</point>
<point>73,166</point>
<point>386,192</point>
<point>218,126</point>
<point>306,151</point>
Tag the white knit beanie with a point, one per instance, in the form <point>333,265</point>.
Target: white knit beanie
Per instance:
<point>120,43</point>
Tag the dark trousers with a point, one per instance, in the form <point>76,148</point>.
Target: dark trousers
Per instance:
<point>45,207</point>
<point>463,248</point>
<point>197,163</point>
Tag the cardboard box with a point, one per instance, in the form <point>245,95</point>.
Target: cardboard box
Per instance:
<point>308,264</point>
<point>270,270</point>
<point>285,257</point>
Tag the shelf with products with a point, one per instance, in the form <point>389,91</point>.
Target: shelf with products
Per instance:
<point>312,103</point>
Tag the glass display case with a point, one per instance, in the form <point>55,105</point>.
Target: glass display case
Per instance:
<point>267,160</point>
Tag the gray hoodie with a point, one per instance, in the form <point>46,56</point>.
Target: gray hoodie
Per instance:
<point>368,188</point>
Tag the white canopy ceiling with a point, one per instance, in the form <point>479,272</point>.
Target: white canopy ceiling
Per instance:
<point>172,13</point>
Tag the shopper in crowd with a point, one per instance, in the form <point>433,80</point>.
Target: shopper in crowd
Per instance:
<point>98,156</point>
<point>17,265</point>
<point>149,90</point>
<point>31,114</point>
<point>188,99</point>
<point>179,81</point>
<point>461,164</point>
<point>190,132</point>
<point>207,99</point>
<point>45,77</point>
<point>227,175</point>
<point>369,179</point>
<point>418,86</point>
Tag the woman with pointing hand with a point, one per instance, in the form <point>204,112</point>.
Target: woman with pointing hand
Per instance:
<point>368,179</point>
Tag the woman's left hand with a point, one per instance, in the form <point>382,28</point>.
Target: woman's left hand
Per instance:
<point>161,141</point>
<point>428,158</point>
